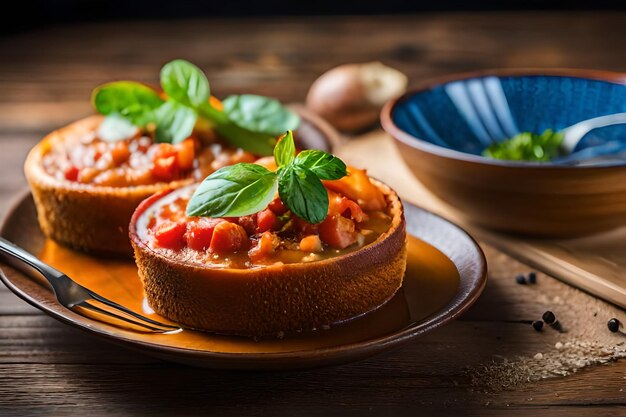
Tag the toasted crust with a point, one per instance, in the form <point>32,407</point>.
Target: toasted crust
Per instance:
<point>274,299</point>
<point>84,216</point>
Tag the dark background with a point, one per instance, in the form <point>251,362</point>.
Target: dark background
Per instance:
<point>28,14</point>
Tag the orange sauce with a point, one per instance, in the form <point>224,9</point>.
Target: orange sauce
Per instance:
<point>430,282</point>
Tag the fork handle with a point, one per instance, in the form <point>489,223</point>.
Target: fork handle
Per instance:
<point>10,248</point>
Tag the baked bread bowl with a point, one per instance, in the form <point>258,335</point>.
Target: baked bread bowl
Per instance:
<point>90,215</point>
<point>210,291</point>
<point>87,178</point>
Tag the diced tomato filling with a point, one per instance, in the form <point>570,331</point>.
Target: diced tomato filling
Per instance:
<point>275,234</point>
<point>338,231</point>
<point>305,227</point>
<point>170,234</point>
<point>169,160</point>
<point>311,243</point>
<point>277,206</point>
<point>199,233</point>
<point>358,187</point>
<point>338,204</point>
<point>120,153</point>
<point>266,245</point>
<point>71,173</point>
<point>228,237</point>
<point>266,220</point>
<point>185,152</point>
<point>165,169</point>
<point>249,223</point>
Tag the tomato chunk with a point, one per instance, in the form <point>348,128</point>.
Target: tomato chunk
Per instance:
<point>338,204</point>
<point>267,244</point>
<point>200,233</point>
<point>71,173</point>
<point>277,206</point>
<point>120,153</point>
<point>337,231</point>
<point>358,187</point>
<point>228,237</point>
<point>165,169</point>
<point>248,223</point>
<point>185,154</point>
<point>266,220</point>
<point>170,235</point>
<point>311,243</point>
<point>305,227</point>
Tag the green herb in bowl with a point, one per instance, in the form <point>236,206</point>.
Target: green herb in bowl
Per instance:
<point>528,146</point>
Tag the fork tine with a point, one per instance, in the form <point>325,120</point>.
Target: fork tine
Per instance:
<point>97,309</point>
<point>120,307</point>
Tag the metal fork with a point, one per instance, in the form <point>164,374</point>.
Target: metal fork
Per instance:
<point>71,294</point>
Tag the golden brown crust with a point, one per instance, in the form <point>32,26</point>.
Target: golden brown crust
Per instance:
<point>84,216</point>
<point>269,300</point>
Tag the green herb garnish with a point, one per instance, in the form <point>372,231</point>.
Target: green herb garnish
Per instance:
<point>528,146</point>
<point>248,121</point>
<point>243,189</point>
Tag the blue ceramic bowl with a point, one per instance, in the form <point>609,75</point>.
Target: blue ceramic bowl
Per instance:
<point>442,128</point>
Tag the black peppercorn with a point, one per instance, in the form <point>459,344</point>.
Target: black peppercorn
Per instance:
<point>532,277</point>
<point>549,317</point>
<point>538,325</point>
<point>613,325</point>
<point>520,279</point>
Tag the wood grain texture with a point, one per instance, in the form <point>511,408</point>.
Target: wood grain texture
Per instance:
<point>45,80</point>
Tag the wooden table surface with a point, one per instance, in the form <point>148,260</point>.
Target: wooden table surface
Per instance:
<point>45,80</point>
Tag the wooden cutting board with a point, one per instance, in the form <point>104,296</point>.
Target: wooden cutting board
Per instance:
<point>596,264</point>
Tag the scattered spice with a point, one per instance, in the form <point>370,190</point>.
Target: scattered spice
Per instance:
<point>549,317</point>
<point>538,325</point>
<point>522,279</point>
<point>613,325</point>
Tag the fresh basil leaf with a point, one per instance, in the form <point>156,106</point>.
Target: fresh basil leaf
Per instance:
<point>285,150</point>
<point>257,143</point>
<point>232,191</point>
<point>260,114</point>
<point>114,127</point>
<point>133,101</point>
<point>185,83</point>
<point>326,166</point>
<point>174,122</point>
<point>303,193</point>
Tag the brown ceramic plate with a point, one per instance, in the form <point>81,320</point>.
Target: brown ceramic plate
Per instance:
<point>446,273</point>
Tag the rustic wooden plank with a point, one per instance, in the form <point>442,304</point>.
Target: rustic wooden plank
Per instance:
<point>54,66</point>
<point>10,304</point>
<point>14,148</point>
<point>22,336</point>
<point>119,387</point>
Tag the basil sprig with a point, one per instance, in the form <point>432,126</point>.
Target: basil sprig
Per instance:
<point>528,146</point>
<point>248,121</point>
<point>243,189</point>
